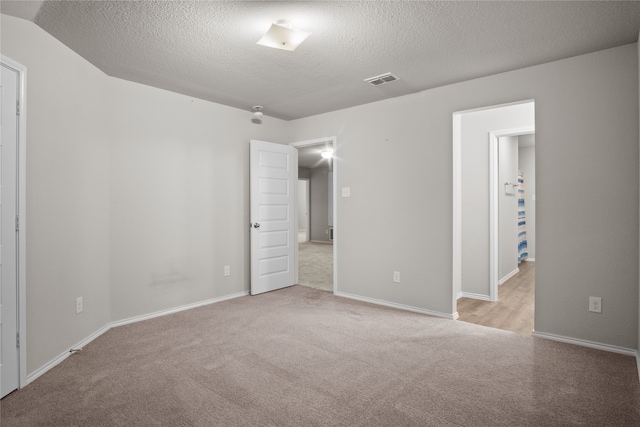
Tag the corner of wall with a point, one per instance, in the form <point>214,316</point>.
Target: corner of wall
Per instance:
<point>638,345</point>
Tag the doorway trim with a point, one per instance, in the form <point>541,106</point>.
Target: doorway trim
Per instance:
<point>456,277</point>
<point>494,245</point>
<point>309,143</point>
<point>21,220</point>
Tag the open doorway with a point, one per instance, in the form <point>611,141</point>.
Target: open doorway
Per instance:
<point>495,287</point>
<point>315,214</point>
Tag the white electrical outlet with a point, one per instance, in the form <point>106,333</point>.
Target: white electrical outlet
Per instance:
<point>346,191</point>
<point>595,304</point>
<point>396,277</point>
<point>78,305</point>
<point>227,270</point>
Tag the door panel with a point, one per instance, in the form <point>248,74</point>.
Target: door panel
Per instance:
<point>274,171</point>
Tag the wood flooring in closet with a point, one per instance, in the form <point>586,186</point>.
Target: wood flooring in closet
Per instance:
<point>515,306</point>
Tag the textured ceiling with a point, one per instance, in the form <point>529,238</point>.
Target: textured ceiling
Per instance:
<point>207,49</point>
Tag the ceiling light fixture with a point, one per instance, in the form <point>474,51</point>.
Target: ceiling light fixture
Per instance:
<point>327,154</point>
<point>257,114</point>
<point>282,36</point>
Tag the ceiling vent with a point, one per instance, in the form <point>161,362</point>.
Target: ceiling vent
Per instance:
<point>381,79</point>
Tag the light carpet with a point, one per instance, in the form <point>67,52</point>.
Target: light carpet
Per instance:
<point>315,263</point>
<point>303,357</point>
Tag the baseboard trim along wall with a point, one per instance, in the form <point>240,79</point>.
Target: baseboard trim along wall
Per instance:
<point>508,276</point>
<point>396,305</point>
<point>586,343</point>
<point>176,309</point>
<point>60,358</point>
<point>638,363</point>
<point>474,296</point>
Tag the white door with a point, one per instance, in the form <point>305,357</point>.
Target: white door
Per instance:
<point>274,173</point>
<point>8,246</point>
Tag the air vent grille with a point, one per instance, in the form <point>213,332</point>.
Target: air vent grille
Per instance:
<point>381,79</point>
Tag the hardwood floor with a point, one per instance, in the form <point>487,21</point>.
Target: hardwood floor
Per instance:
<point>515,306</point>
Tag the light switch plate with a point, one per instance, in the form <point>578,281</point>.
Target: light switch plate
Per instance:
<point>346,191</point>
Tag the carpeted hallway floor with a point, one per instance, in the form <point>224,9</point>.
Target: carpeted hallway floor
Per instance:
<point>303,357</point>
<point>315,262</point>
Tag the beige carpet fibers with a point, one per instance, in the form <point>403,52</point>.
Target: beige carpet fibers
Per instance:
<point>315,262</point>
<point>303,357</point>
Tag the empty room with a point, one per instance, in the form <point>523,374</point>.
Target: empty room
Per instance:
<point>151,211</point>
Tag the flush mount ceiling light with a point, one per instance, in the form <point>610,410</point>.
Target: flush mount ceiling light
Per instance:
<point>282,36</point>
<point>327,154</point>
<point>257,114</point>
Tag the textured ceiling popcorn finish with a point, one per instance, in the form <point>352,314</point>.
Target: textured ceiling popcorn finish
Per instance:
<point>208,50</point>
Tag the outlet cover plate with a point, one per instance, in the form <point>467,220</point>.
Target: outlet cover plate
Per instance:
<point>595,304</point>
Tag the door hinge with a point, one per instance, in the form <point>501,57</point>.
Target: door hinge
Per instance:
<point>17,339</point>
<point>17,223</point>
<point>17,107</point>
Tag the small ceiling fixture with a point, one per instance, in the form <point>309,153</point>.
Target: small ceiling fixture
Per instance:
<point>282,36</point>
<point>257,114</point>
<point>381,79</point>
<point>327,154</point>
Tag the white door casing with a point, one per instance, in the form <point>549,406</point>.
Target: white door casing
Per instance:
<point>334,205</point>
<point>273,181</point>
<point>9,125</point>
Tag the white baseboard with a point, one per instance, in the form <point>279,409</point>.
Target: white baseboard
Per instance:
<point>508,276</point>
<point>60,358</point>
<point>638,363</point>
<point>396,305</point>
<point>530,259</point>
<point>586,343</point>
<point>175,309</point>
<point>474,296</point>
<point>328,242</point>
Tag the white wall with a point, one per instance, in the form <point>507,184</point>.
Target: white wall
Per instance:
<point>319,196</point>
<point>476,127</point>
<point>527,164</point>
<point>67,189</point>
<point>586,135</point>
<point>507,206</point>
<point>303,214</point>
<point>136,197</point>
<point>179,198</point>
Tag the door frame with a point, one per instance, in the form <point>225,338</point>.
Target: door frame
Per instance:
<point>456,274</point>
<point>494,188</point>
<point>309,143</point>
<point>21,206</point>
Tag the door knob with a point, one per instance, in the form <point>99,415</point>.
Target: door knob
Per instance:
<point>256,225</point>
